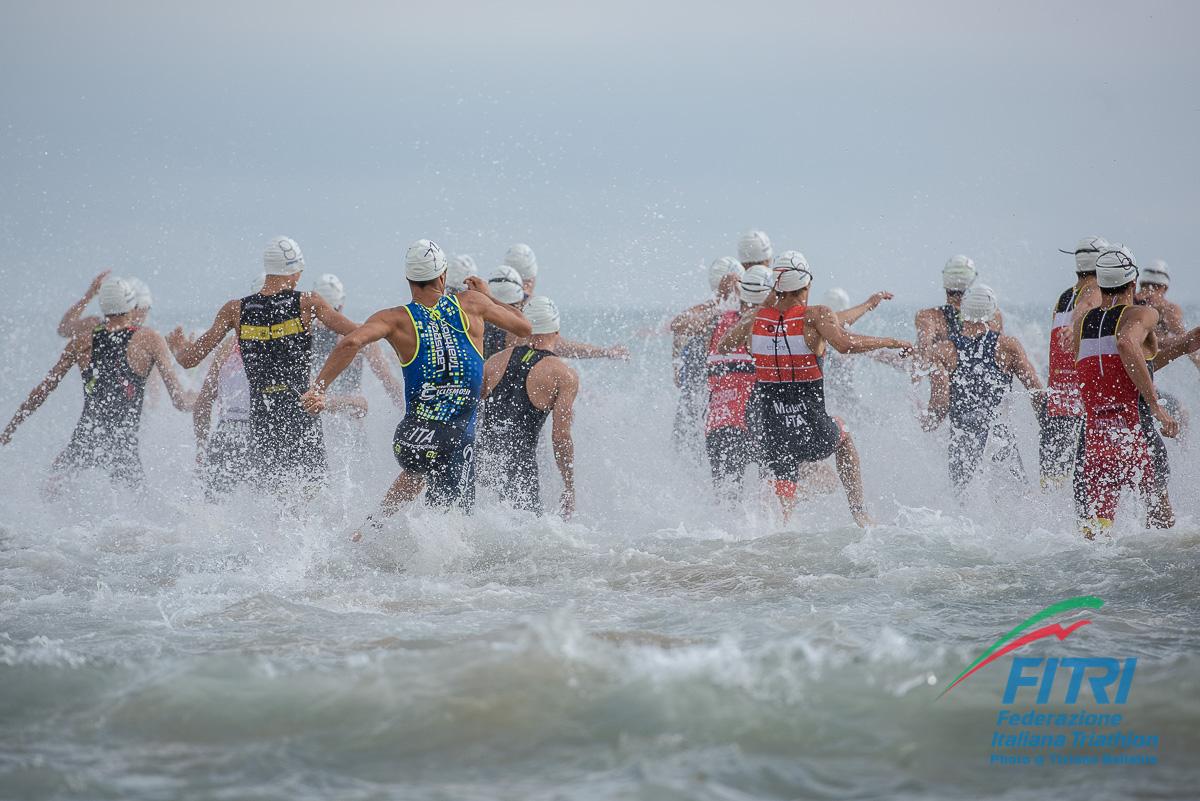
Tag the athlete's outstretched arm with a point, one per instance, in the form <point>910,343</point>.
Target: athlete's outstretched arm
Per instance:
<point>42,391</point>
<point>379,366</point>
<point>560,437</point>
<point>1014,359</point>
<point>852,315</point>
<point>190,354</point>
<point>939,387</point>
<point>202,409</point>
<point>570,349</point>
<point>71,324</point>
<point>1136,326</point>
<point>1172,317</point>
<point>161,356</point>
<point>738,337</point>
<point>827,325</point>
<point>1173,348</point>
<point>374,329</point>
<point>333,319</point>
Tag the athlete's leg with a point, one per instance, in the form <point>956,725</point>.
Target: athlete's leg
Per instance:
<point>1155,477</point>
<point>850,472</point>
<point>964,454</point>
<point>1007,455</point>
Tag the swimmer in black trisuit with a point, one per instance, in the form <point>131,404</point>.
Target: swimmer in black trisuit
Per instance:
<point>972,373</point>
<point>787,338</point>
<point>114,360</point>
<point>504,284</point>
<point>522,386</point>
<point>935,324</point>
<point>439,339</point>
<point>274,332</point>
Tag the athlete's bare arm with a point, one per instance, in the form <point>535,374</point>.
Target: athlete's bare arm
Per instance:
<point>694,320</point>
<point>943,358</point>
<point>202,409</point>
<point>493,371</point>
<point>190,354</point>
<point>1134,333</point>
<point>1089,298</point>
<point>313,305</point>
<point>560,437</point>
<point>159,355</point>
<point>70,356</point>
<point>477,301</point>
<point>738,337</point>
<point>570,349</point>
<point>378,363</point>
<point>852,315</point>
<point>930,329</point>
<point>1186,345</point>
<point>394,324</point>
<point>73,321</point>
<point>824,322</point>
<point>1012,357</point>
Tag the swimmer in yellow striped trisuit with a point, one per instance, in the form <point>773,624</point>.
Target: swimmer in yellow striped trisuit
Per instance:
<point>274,331</point>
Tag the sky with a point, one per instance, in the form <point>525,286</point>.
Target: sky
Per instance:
<point>628,143</point>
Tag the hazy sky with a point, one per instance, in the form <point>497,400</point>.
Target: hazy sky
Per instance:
<point>627,143</point>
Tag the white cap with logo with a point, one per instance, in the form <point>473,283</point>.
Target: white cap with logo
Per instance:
<point>1115,267</point>
<point>1156,272</point>
<point>522,259</point>
<point>282,256</point>
<point>979,304</point>
<point>958,274</point>
<point>755,284</point>
<point>1086,252</point>
<point>424,261</point>
<point>791,271</point>
<point>505,285</point>
<point>721,268</point>
<point>116,297</point>
<point>754,247</point>
<point>542,315</point>
<point>329,286</point>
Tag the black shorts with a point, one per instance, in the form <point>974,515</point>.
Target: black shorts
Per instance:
<point>787,440</point>
<point>1058,440</point>
<point>288,443</point>
<point>113,451</point>
<point>426,446</point>
<point>730,451</point>
<point>227,456</point>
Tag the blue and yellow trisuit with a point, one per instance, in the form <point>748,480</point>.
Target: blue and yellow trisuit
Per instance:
<point>442,383</point>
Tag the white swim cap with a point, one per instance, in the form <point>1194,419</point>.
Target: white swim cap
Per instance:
<point>257,285</point>
<point>329,286</point>
<point>721,268</point>
<point>282,257</point>
<point>837,299</point>
<point>116,297</point>
<point>1156,273</point>
<point>461,268</point>
<point>755,284</point>
<point>1115,267</point>
<point>791,271</point>
<point>142,293</point>
<point>424,261</point>
<point>958,274</point>
<point>755,247</point>
<point>542,315</point>
<point>979,304</point>
<point>521,258</point>
<point>1086,252</point>
<point>505,285</point>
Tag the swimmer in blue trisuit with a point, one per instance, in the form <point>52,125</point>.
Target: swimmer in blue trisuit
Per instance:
<point>274,329</point>
<point>522,386</point>
<point>439,339</point>
<point>114,359</point>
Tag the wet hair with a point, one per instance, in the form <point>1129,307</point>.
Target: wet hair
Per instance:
<point>955,293</point>
<point>424,284</point>
<point>1092,273</point>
